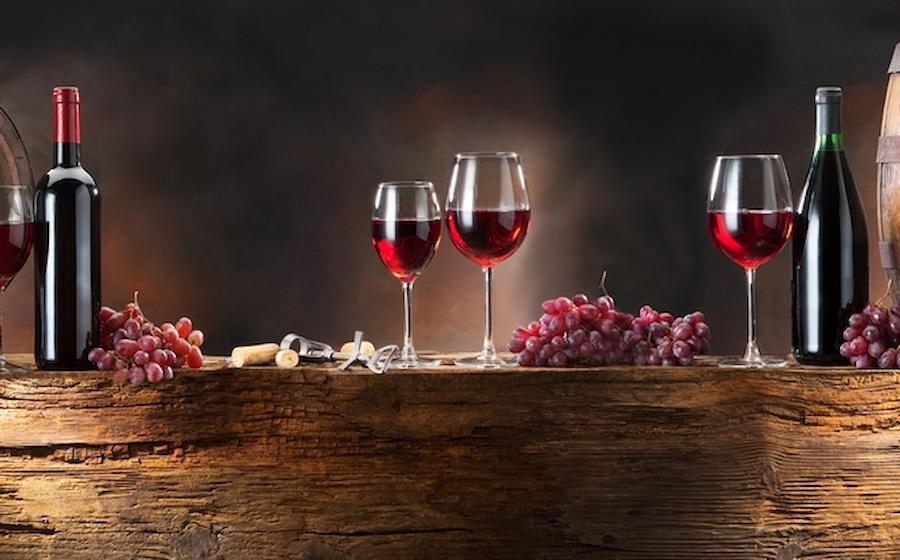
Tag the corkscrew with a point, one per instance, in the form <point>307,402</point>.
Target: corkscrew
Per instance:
<point>314,351</point>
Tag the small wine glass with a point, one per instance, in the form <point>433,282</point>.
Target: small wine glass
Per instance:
<point>16,239</point>
<point>488,216</point>
<point>406,232</point>
<point>750,218</point>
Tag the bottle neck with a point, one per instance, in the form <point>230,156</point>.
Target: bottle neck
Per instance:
<point>66,154</point>
<point>829,135</point>
<point>67,134</point>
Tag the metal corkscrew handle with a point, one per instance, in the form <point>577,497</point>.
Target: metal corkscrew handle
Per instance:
<point>310,350</point>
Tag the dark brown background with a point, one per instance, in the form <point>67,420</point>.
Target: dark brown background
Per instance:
<point>238,146</point>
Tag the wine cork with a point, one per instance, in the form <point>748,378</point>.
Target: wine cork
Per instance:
<point>366,349</point>
<point>255,355</point>
<point>287,359</point>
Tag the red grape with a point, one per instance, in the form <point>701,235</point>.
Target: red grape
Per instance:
<point>115,322</point>
<point>107,362</point>
<point>196,337</point>
<point>194,357</point>
<point>118,335</point>
<point>105,314</point>
<point>181,347</point>
<point>559,360</point>
<point>147,343</point>
<point>140,358</point>
<point>96,355</point>
<point>170,336</point>
<point>871,333</point>
<point>525,359</point>
<point>137,375</point>
<point>160,357</point>
<point>605,303</point>
<point>154,372</point>
<point>126,348</point>
<point>184,326</point>
<point>132,329</point>
<point>888,359</point>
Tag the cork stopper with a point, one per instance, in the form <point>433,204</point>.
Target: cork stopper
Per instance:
<point>895,61</point>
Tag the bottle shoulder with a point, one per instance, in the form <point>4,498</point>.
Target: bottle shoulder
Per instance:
<point>67,177</point>
<point>829,182</point>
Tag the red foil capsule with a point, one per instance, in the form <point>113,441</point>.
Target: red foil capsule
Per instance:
<point>67,122</point>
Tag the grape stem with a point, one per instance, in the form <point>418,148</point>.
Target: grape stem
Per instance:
<point>886,294</point>
<point>603,283</point>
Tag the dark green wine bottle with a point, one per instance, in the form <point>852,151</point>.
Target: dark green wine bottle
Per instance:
<point>830,246</point>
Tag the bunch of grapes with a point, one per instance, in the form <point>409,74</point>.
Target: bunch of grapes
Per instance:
<point>578,332</point>
<point>139,351</point>
<point>872,337</point>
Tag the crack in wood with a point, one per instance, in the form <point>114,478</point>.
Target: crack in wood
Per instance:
<point>11,528</point>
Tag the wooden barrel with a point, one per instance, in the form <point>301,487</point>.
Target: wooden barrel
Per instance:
<point>888,160</point>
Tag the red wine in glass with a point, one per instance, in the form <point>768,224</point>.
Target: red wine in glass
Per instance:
<point>15,246</point>
<point>488,237</point>
<point>406,247</point>
<point>750,237</point>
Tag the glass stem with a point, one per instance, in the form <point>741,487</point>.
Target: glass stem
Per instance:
<point>408,350</point>
<point>751,355</point>
<point>488,351</point>
<point>2,353</point>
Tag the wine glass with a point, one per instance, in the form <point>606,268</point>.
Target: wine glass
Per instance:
<point>406,232</point>
<point>488,216</point>
<point>16,238</point>
<point>750,219</point>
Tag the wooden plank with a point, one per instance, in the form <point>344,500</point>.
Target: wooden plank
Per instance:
<point>616,462</point>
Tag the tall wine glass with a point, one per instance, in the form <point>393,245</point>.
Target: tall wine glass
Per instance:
<point>16,238</point>
<point>750,219</point>
<point>406,232</point>
<point>488,216</point>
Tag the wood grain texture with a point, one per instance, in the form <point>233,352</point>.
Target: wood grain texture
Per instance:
<point>263,463</point>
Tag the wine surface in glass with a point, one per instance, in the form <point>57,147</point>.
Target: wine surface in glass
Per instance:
<point>751,237</point>
<point>406,246</point>
<point>488,237</point>
<point>15,246</point>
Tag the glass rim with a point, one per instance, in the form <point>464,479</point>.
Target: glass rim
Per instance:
<point>474,155</point>
<point>748,156</point>
<point>416,184</point>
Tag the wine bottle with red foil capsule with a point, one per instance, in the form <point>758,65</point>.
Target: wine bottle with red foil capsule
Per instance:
<point>67,248</point>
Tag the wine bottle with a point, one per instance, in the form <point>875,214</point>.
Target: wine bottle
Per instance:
<point>67,248</point>
<point>830,248</point>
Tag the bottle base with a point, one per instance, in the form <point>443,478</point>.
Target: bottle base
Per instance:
<point>820,360</point>
<point>65,366</point>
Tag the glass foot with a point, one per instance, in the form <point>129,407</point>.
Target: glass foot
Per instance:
<point>484,361</point>
<point>6,367</point>
<point>414,363</point>
<point>758,362</point>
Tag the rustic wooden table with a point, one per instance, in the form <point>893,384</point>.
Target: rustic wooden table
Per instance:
<point>617,462</point>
